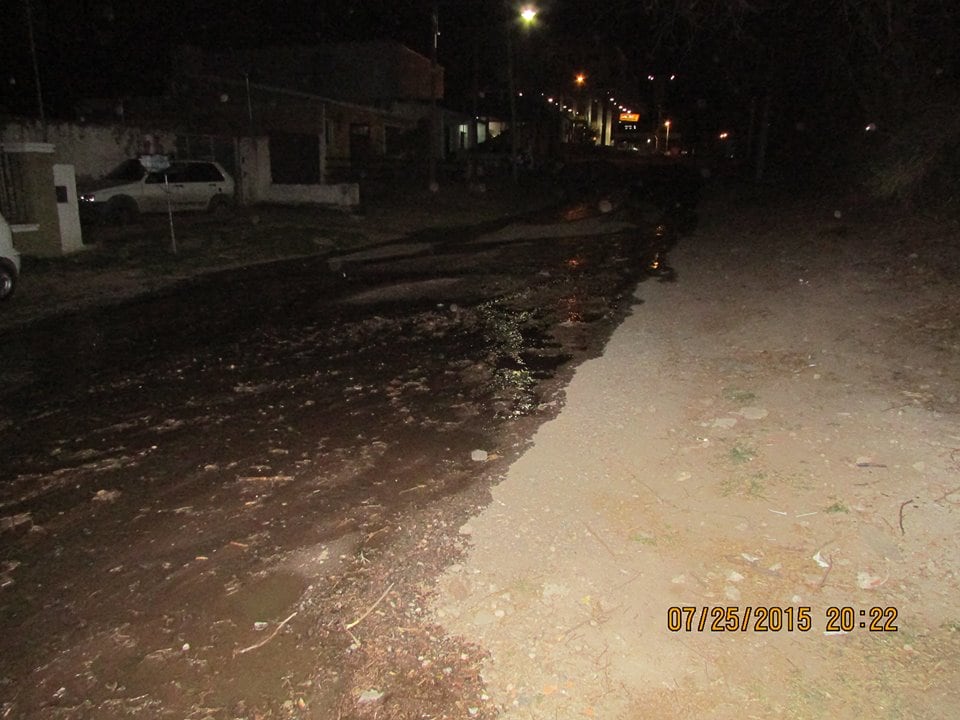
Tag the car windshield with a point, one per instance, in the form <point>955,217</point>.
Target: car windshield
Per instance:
<point>127,171</point>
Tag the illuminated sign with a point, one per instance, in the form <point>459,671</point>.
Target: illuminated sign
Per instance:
<point>629,117</point>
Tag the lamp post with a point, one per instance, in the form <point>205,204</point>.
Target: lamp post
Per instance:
<point>666,140</point>
<point>527,15</point>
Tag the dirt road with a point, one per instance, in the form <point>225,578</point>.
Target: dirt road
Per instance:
<point>775,433</point>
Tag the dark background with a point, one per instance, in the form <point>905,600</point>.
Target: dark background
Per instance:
<point>829,67</point>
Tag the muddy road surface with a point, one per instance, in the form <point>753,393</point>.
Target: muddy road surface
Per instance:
<point>225,500</point>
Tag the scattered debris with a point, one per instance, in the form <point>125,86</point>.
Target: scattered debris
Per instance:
<point>10,522</point>
<point>866,581</point>
<point>479,455</point>
<point>818,559</point>
<point>265,478</point>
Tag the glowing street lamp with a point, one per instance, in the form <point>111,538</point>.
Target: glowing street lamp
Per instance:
<point>666,141</point>
<point>580,79</point>
<point>528,14</point>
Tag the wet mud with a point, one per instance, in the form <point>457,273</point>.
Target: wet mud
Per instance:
<point>197,482</point>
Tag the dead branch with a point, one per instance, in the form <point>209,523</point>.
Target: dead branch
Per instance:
<point>269,638</point>
<point>902,506</point>
<point>370,609</point>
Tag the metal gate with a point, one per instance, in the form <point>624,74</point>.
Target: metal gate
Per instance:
<point>14,199</point>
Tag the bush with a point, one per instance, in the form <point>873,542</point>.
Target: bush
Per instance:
<point>919,163</point>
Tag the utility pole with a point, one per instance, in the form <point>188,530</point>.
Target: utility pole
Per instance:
<point>472,135</point>
<point>514,170</point>
<point>434,119</point>
<point>36,69</point>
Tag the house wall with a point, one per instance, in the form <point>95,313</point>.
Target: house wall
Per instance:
<point>257,185</point>
<point>93,150</point>
<point>373,72</point>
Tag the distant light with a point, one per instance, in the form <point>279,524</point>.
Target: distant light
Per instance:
<point>724,135</point>
<point>580,79</point>
<point>649,77</point>
<point>550,100</point>
<point>528,14</point>
<point>673,77</point>
<point>666,123</point>
<point>613,99</point>
<point>649,141</point>
<point>520,94</point>
<point>871,127</point>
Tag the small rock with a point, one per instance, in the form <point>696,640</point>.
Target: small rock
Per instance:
<point>369,696</point>
<point>753,413</point>
<point>483,618</point>
<point>466,530</point>
<point>479,455</point>
<point>106,495</point>
<point>726,422</point>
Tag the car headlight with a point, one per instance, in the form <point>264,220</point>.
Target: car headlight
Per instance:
<point>88,198</point>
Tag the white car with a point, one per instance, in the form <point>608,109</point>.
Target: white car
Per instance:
<point>130,189</point>
<point>9,261</point>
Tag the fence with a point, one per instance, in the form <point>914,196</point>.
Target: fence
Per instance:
<point>14,199</point>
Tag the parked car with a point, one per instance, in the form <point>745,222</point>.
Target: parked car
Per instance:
<point>9,261</point>
<point>130,189</point>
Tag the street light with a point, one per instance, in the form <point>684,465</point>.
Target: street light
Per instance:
<point>666,141</point>
<point>527,15</point>
<point>580,79</point>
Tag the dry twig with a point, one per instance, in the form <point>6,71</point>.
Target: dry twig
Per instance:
<point>370,609</point>
<point>902,506</point>
<point>269,638</point>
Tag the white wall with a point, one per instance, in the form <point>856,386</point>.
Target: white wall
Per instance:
<point>93,150</point>
<point>256,184</point>
<point>341,194</point>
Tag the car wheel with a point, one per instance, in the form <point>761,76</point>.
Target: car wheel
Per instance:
<point>122,210</point>
<point>8,281</point>
<point>218,206</point>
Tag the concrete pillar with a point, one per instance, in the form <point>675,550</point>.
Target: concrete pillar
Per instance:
<point>52,224</point>
<point>68,208</point>
<point>254,169</point>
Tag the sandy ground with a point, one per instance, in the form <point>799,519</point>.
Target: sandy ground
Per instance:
<point>776,433</point>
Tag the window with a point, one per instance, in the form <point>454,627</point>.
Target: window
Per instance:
<point>176,173</point>
<point>203,172</point>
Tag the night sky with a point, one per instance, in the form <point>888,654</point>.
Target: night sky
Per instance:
<point>833,61</point>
